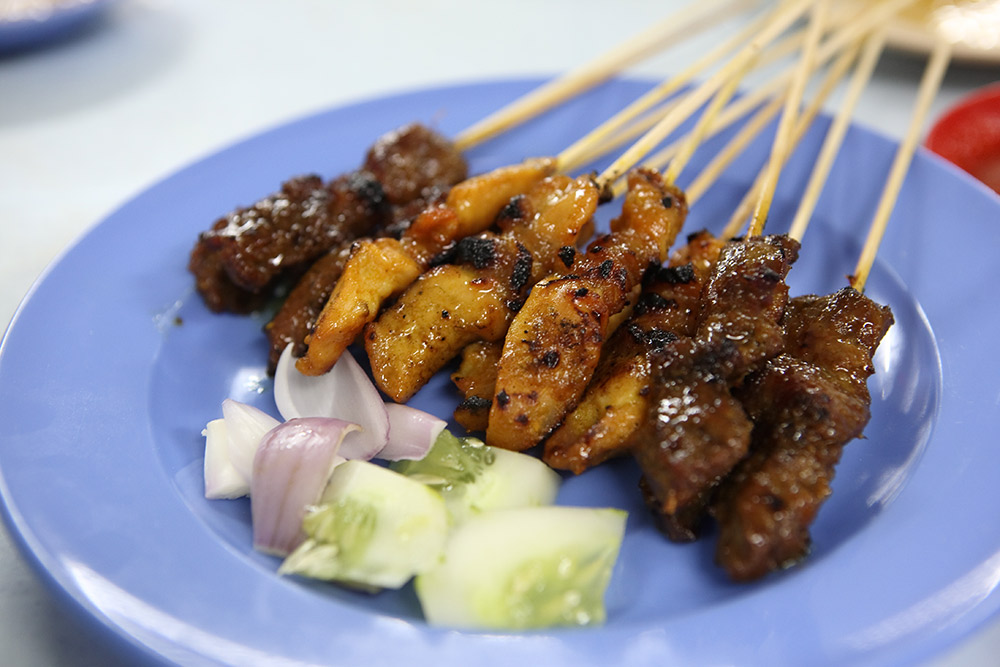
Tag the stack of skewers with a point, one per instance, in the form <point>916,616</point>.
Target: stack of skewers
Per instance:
<point>734,399</point>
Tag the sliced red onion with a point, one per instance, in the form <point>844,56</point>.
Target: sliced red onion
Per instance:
<point>411,433</point>
<point>246,425</point>
<point>291,469</point>
<point>346,392</point>
<point>222,479</point>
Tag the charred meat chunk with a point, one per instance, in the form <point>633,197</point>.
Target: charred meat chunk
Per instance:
<point>807,404</point>
<point>253,248</point>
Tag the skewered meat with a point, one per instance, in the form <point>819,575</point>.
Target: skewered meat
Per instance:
<point>476,295</point>
<point>476,379</point>
<point>615,403</point>
<point>555,340</point>
<point>297,314</point>
<point>240,259</point>
<point>382,268</point>
<point>695,431</point>
<point>806,403</point>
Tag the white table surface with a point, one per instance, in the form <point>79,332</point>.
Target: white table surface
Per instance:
<point>89,122</point>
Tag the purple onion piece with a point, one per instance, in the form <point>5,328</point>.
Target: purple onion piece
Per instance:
<point>346,392</point>
<point>290,471</point>
<point>411,433</point>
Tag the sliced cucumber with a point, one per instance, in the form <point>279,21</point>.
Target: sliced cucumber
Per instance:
<point>474,478</point>
<point>524,568</point>
<point>373,528</point>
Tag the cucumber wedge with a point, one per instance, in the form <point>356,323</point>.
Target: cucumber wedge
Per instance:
<point>524,568</point>
<point>474,478</point>
<point>373,528</point>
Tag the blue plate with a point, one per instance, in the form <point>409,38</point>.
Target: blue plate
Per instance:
<point>112,366</point>
<point>48,25</point>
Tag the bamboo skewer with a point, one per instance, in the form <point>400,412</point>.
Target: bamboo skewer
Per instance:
<point>929,85</point>
<point>688,22</point>
<point>576,154</point>
<point>692,102</point>
<point>697,135</point>
<point>726,117</point>
<point>782,144</point>
<point>837,72</point>
<point>835,135</point>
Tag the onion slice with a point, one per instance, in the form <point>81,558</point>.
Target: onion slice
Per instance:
<point>222,479</point>
<point>290,471</point>
<point>346,392</point>
<point>245,426</point>
<point>411,433</point>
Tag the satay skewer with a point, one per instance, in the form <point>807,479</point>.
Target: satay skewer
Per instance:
<point>782,146</point>
<point>580,152</point>
<point>838,130</point>
<point>683,24</point>
<point>728,116</point>
<point>780,22</point>
<point>750,131</point>
<point>937,65</point>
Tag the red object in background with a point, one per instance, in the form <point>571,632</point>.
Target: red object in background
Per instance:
<point>969,135</point>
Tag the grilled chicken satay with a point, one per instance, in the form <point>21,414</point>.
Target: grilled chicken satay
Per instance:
<point>476,296</point>
<point>695,431</point>
<point>615,402</point>
<point>807,404</point>
<point>246,254</point>
<point>382,268</point>
<point>298,312</point>
<point>555,340</point>
<point>476,379</point>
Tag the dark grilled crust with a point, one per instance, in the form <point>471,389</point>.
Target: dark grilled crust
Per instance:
<point>615,403</point>
<point>293,321</point>
<point>807,404</point>
<point>746,298</point>
<point>245,255</point>
<point>695,431</point>
<point>411,161</point>
<point>571,316</point>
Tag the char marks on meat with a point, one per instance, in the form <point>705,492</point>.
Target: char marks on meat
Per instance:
<point>695,431</point>
<point>615,403</point>
<point>555,341</point>
<point>244,256</point>
<point>806,403</point>
<point>481,289</point>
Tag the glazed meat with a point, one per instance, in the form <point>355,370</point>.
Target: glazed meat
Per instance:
<point>806,403</point>
<point>245,255</point>
<point>380,269</point>
<point>615,403</point>
<point>475,295</point>
<point>298,312</point>
<point>695,431</point>
<point>555,340</point>
<point>476,379</point>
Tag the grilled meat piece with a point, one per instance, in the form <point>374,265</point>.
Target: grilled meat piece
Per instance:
<point>295,318</point>
<point>246,254</point>
<point>695,431</point>
<point>379,269</point>
<point>476,378</point>
<point>807,404</point>
<point>412,162</point>
<point>615,403</point>
<point>555,340</point>
<point>475,297</point>
<point>746,298</point>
